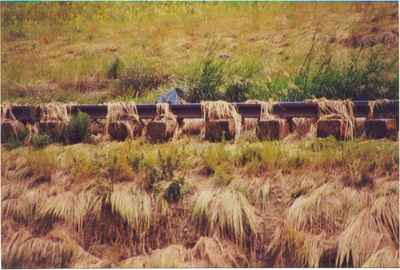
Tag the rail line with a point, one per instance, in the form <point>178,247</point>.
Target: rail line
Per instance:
<point>389,109</point>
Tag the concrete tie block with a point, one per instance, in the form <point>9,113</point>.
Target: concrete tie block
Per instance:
<point>331,127</point>
<point>159,131</point>
<point>381,128</point>
<point>275,129</point>
<point>216,130</point>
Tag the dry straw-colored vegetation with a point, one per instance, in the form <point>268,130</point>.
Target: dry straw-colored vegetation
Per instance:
<point>252,204</point>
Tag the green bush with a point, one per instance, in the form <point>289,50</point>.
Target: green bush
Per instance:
<point>116,68</point>
<point>137,77</point>
<point>17,141</point>
<point>206,84</point>
<point>238,91</point>
<point>77,129</point>
<point>355,80</point>
<point>40,140</point>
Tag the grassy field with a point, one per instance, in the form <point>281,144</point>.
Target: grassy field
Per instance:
<point>91,52</point>
<point>188,203</point>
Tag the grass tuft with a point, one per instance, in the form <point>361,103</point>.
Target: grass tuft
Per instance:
<point>226,212</point>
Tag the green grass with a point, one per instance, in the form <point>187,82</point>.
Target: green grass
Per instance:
<point>165,45</point>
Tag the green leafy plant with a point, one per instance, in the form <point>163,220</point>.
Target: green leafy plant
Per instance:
<point>205,85</point>
<point>77,129</point>
<point>41,140</point>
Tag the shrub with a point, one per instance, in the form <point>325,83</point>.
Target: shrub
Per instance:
<point>238,91</point>
<point>40,140</point>
<point>17,141</point>
<point>77,129</point>
<point>116,68</point>
<point>355,80</point>
<point>206,84</point>
<point>162,169</point>
<point>139,76</point>
<point>176,190</point>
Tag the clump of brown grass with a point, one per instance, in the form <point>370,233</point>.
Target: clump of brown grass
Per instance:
<point>374,104</point>
<point>211,252</point>
<point>24,207</point>
<point>54,112</point>
<point>386,214</point>
<point>385,257</point>
<point>320,210</point>
<point>92,205</point>
<point>218,110</point>
<point>126,115</point>
<point>170,257</point>
<point>266,108</point>
<point>227,213</point>
<point>25,251</point>
<point>368,231</point>
<point>292,247</point>
<point>358,241</point>
<point>133,207</point>
<point>163,111</point>
<point>305,127</point>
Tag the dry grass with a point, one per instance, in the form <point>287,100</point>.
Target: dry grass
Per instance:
<point>354,246</point>
<point>322,209</point>
<point>266,108</point>
<point>383,258</point>
<point>54,112</point>
<point>292,247</point>
<point>24,207</point>
<point>25,251</point>
<point>227,213</point>
<point>170,257</point>
<point>133,207</point>
<point>322,222</point>
<point>374,104</point>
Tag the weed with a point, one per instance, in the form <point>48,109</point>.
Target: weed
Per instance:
<point>40,140</point>
<point>18,140</point>
<point>238,91</point>
<point>116,68</point>
<point>206,84</point>
<point>77,129</point>
<point>226,212</point>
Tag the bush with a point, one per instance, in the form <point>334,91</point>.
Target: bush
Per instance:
<point>40,140</point>
<point>116,68</point>
<point>17,141</point>
<point>138,77</point>
<point>206,84</point>
<point>238,91</point>
<point>355,80</point>
<point>78,128</point>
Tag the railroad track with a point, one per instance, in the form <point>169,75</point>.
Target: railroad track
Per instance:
<point>390,109</point>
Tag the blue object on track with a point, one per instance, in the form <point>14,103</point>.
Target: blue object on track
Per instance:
<point>172,97</point>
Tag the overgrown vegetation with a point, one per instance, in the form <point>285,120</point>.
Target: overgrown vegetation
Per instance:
<point>348,51</point>
<point>240,194</point>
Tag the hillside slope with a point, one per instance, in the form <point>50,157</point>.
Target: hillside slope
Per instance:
<point>66,51</point>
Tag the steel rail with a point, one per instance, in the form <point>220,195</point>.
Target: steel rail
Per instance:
<point>389,109</point>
